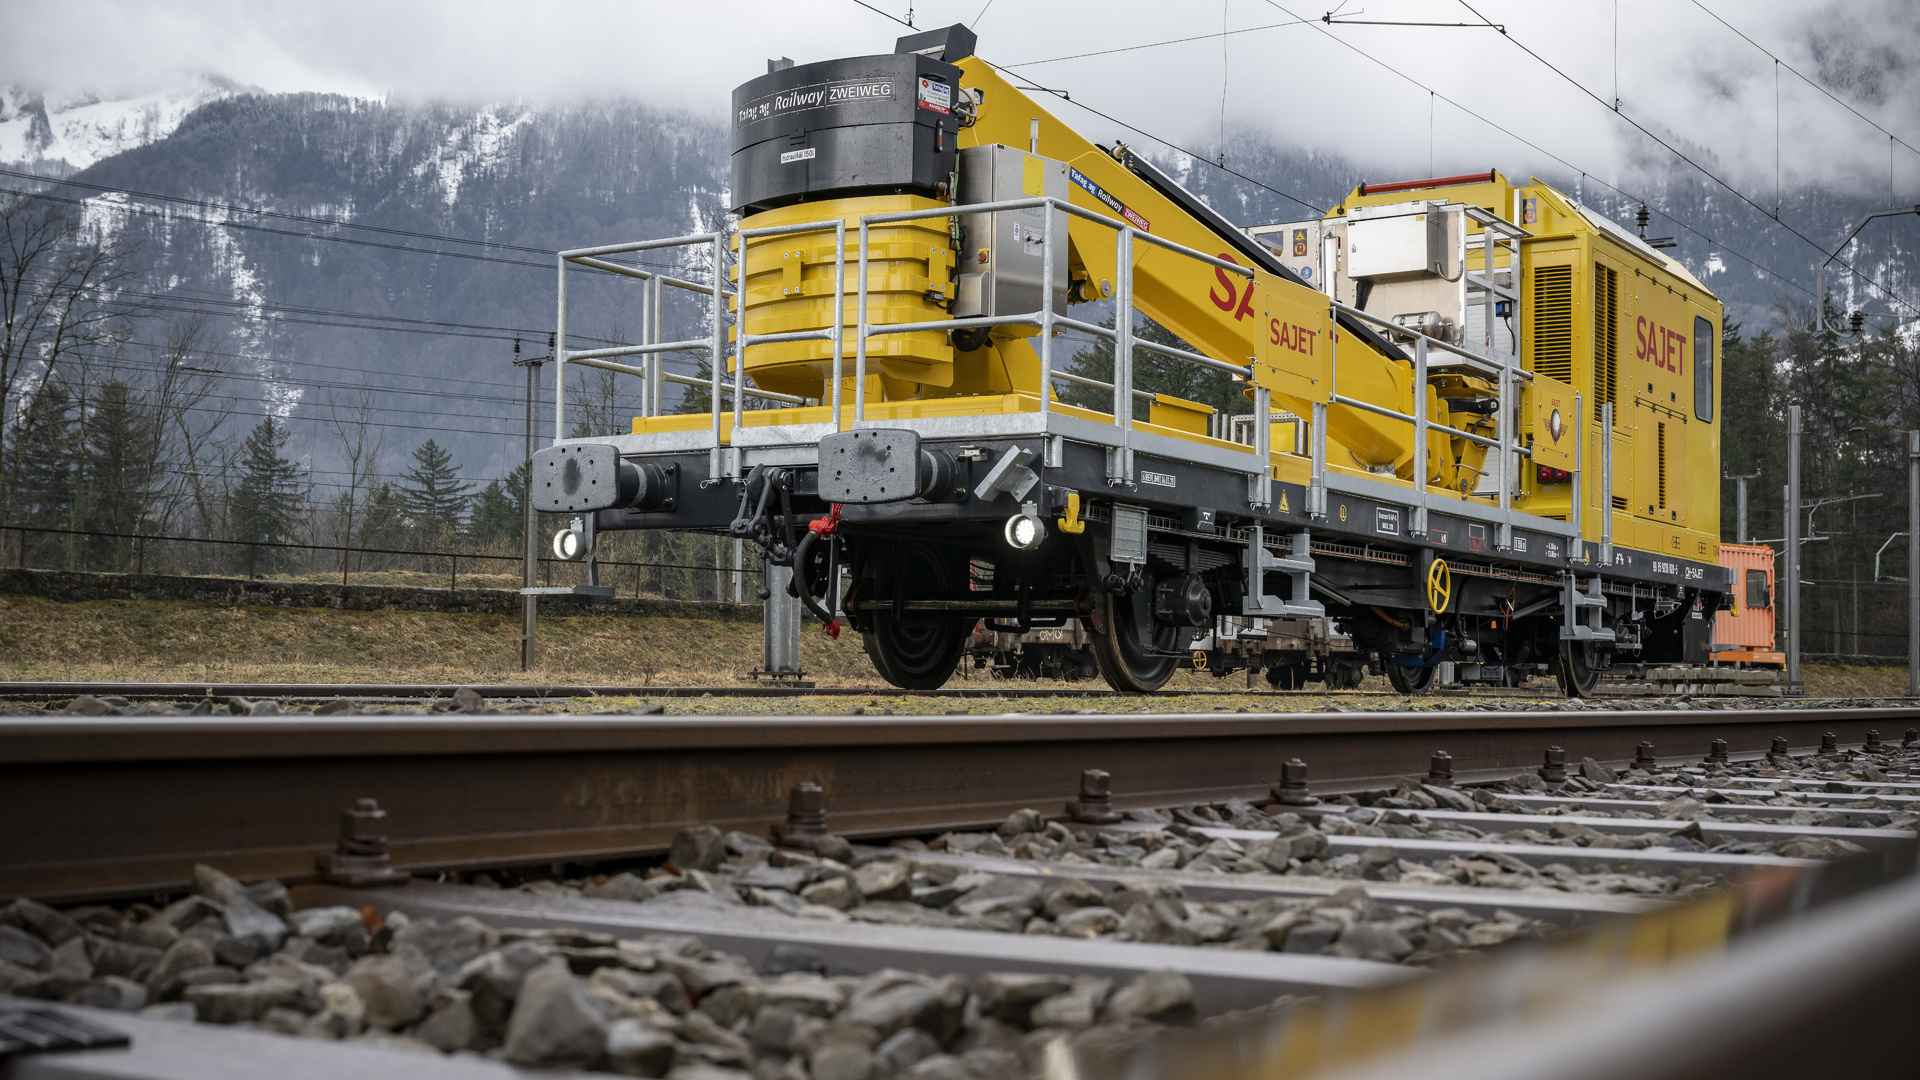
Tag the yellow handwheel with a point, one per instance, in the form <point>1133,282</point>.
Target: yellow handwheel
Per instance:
<point>1439,586</point>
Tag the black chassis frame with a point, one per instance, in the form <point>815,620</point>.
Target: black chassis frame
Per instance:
<point>1506,608</point>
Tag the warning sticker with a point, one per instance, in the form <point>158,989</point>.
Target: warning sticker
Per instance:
<point>1107,198</point>
<point>935,95</point>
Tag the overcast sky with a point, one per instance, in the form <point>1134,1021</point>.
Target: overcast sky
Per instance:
<point>1678,70</point>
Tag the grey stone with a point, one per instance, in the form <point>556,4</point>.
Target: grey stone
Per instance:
<point>110,992</point>
<point>1374,941</point>
<point>702,1070</point>
<point>452,1025</point>
<point>19,947</point>
<point>702,847</point>
<point>177,1012</point>
<point>1451,798</point>
<point>447,945</point>
<point>885,879</point>
<point>704,975</point>
<point>807,993</point>
<point>724,1047</point>
<point>41,921</point>
<point>1011,997</point>
<point>1071,895</point>
<point>940,1067</point>
<point>841,1061</point>
<point>1076,1009</point>
<point>308,951</point>
<point>1166,996</point>
<point>153,935</point>
<point>732,1002</point>
<point>660,986</point>
<point>184,955</point>
<point>784,878</point>
<point>747,845</point>
<point>934,1005</point>
<point>188,912</point>
<point>834,892</point>
<point>88,705</point>
<point>467,699</point>
<point>622,886</point>
<point>119,958</point>
<point>637,1049</point>
<point>1022,821</point>
<point>493,978</point>
<point>246,919</point>
<point>342,1014</point>
<point>554,1022</point>
<point>392,998</point>
<point>1596,772</point>
<point>235,1003</point>
<point>904,1049</point>
<point>272,896</point>
<point>15,979</point>
<point>338,926</point>
<point>1310,937</point>
<point>773,1028</point>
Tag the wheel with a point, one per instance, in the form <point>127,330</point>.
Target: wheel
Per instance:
<point>1410,678</point>
<point>1577,669</point>
<point>915,653</point>
<point>1288,676</point>
<point>1345,677</point>
<point>1124,662</point>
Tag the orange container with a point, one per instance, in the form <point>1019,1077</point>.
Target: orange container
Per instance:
<point>1748,627</point>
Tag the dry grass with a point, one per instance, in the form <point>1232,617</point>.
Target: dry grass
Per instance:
<point>178,641</point>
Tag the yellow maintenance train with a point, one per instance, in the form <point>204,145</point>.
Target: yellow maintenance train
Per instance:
<point>1480,424</point>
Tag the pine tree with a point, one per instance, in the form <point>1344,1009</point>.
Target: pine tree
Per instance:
<point>44,457</point>
<point>118,460</point>
<point>383,524</point>
<point>267,501</point>
<point>436,500</point>
<point>497,511</point>
<point>1152,373</point>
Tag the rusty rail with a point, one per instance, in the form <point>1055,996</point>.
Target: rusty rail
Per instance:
<point>112,806</point>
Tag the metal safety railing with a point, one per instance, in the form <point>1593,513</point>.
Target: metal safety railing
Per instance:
<point>1120,470</point>
<point>1498,364</point>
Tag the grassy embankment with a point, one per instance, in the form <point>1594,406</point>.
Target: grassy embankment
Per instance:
<point>172,641</point>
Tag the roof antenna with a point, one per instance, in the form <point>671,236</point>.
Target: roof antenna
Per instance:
<point>1641,217</point>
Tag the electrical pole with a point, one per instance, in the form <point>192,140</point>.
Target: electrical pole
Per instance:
<point>1913,564</point>
<point>529,603</point>
<point>1740,503</point>
<point>1791,594</point>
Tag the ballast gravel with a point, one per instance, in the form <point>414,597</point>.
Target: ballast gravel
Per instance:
<point>658,1005</point>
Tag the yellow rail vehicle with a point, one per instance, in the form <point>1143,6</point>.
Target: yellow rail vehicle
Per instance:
<point>1479,425</point>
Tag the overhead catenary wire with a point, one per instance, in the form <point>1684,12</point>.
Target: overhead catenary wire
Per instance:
<point>1683,156</point>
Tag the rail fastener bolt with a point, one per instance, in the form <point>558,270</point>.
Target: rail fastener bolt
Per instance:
<point>1873,744</point>
<point>1440,769</point>
<point>1554,770</point>
<point>1643,758</point>
<point>1829,743</point>
<point>1292,788</point>
<point>360,858</point>
<point>806,824</point>
<point>1779,747</point>
<point>1095,804</point>
<point>1717,752</point>
<point>1913,737</point>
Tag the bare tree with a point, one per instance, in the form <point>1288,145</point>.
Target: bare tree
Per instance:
<point>59,291</point>
<point>363,442</point>
<point>186,418</point>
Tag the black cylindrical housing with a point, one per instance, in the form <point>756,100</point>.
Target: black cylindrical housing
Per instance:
<point>866,125</point>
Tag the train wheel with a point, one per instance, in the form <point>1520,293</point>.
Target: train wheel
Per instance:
<point>1123,661</point>
<point>915,654</point>
<point>1577,669</point>
<point>1410,679</point>
<point>1288,676</point>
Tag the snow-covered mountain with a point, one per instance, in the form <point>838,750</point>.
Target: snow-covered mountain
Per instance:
<point>59,135</point>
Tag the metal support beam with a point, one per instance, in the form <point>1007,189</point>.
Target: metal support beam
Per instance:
<point>780,623</point>
<point>1606,484</point>
<point>1913,564</point>
<point>1791,594</point>
<point>529,602</point>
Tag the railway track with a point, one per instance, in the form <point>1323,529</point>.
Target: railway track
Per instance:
<point>1507,843</point>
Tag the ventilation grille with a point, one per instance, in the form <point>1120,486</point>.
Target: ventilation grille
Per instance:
<point>1660,436</point>
<point>1606,339</point>
<point>1553,322</point>
<point>1619,502</point>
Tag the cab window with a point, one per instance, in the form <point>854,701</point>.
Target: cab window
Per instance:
<point>1703,341</point>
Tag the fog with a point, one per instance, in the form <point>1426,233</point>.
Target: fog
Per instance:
<point>1399,98</point>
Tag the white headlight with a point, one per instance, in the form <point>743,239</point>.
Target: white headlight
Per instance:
<point>1024,532</point>
<point>566,544</point>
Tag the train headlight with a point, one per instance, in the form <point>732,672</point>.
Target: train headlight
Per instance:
<point>1025,531</point>
<point>566,544</point>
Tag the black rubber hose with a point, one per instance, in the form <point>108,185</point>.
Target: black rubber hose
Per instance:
<point>799,586</point>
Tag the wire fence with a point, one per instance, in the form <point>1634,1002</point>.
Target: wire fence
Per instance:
<point>37,548</point>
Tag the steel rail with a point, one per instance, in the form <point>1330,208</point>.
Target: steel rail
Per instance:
<point>178,691</point>
<point>109,806</point>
